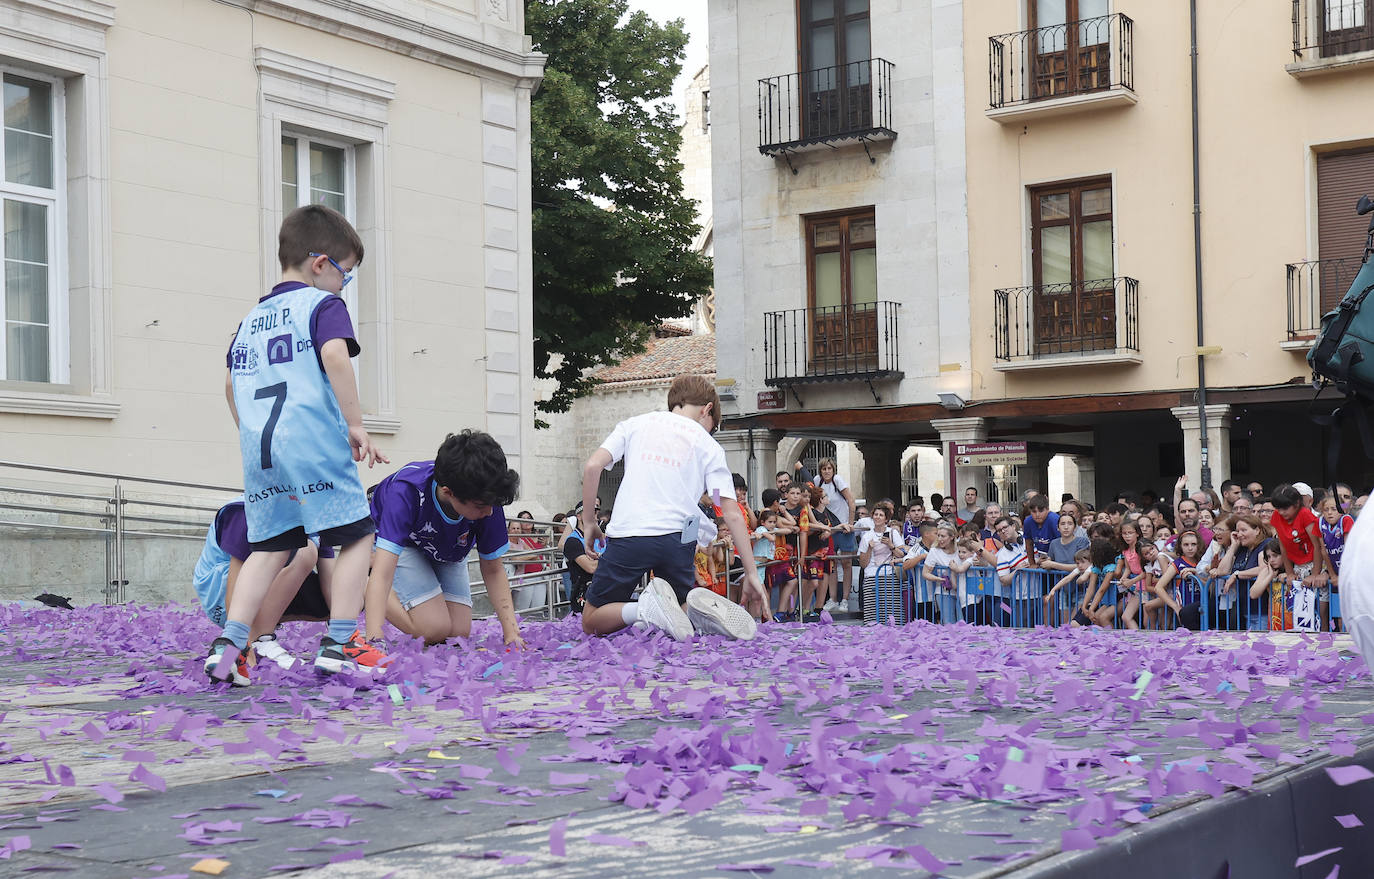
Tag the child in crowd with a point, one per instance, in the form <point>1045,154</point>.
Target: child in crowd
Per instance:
<point>1010,557</point>
<point>430,516</point>
<point>797,510</point>
<point>1075,580</point>
<point>1304,550</point>
<point>294,398</point>
<point>818,584</point>
<point>298,592</point>
<point>1062,553</point>
<point>1335,530</point>
<point>670,458</point>
<point>781,573</point>
<point>1130,572</point>
<point>1271,586</point>
<point>1181,570</point>
<point>1101,598</point>
<point>1040,526</point>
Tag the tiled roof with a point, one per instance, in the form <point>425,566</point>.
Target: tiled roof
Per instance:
<point>665,358</point>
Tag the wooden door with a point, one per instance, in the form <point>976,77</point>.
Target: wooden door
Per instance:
<point>1347,26</point>
<point>843,314</point>
<point>1074,304</point>
<point>1071,47</point>
<point>836,76</point>
<point>1341,179</point>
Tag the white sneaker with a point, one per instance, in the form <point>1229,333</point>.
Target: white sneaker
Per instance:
<point>268,648</point>
<point>658,608</point>
<point>831,606</point>
<point>713,614</point>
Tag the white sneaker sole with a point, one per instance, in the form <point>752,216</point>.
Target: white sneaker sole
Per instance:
<point>334,666</point>
<point>712,614</point>
<point>658,608</point>
<point>278,657</point>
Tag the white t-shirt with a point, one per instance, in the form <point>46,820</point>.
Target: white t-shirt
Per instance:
<point>881,554</point>
<point>1009,559</point>
<point>1357,586</point>
<point>937,557</point>
<point>834,501</point>
<point>669,461</point>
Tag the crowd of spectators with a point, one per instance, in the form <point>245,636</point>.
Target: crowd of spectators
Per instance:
<point>1139,561</point>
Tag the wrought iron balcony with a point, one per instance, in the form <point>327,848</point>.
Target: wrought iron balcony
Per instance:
<point>830,106</point>
<point>1314,288</point>
<point>1084,57</point>
<point>1080,318</point>
<point>834,343</point>
<point>1331,28</point>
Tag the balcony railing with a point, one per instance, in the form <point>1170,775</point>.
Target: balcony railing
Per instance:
<point>1061,60</point>
<point>834,343</point>
<point>1083,317</point>
<point>830,105</point>
<point>1314,288</point>
<point>1329,28</point>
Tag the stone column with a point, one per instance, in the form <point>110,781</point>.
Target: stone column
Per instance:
<point>962,430</point>
<point>1218,441</point>
<point>882,471</point>
<point>759,471</point>
<point>1035,474</point>
<point>1087,480</point>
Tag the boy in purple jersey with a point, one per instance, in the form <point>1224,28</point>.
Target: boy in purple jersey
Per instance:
<point>430,515</point>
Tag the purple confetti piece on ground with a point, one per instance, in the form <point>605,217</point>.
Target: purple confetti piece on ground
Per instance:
<point>109,792</point>
<point>1307,859</point>
<point>1344,775</point>
<point>618,841</point>
<point>814,865</point>
<point>143,776</point>
<point>1349,822</point>
<point>557,833</point>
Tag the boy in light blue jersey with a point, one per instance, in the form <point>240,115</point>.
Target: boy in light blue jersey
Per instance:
<point>294,398</point>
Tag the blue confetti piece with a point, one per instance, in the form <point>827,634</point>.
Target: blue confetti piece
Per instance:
<point>1225,687</point>
<point>493,669</point>
<point>273,793</point>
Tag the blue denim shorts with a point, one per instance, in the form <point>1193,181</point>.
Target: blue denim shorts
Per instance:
<point>420,578</point>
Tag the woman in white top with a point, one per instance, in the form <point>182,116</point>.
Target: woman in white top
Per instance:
<point>881,546</point>
<point>944,554</point>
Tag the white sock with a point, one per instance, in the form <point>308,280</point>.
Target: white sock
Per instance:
<point>629,612</point>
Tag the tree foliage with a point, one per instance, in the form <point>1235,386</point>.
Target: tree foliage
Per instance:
<point>613,232</point>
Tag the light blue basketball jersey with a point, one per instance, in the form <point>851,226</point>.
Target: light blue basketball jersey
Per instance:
<point>298,467</point>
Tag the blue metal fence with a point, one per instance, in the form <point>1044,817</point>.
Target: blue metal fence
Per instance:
<point>979,596</point>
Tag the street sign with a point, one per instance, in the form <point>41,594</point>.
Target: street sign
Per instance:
<point>986,454</point>
<point>773,400</point>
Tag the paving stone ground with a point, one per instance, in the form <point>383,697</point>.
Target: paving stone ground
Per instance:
<point>952,751</point>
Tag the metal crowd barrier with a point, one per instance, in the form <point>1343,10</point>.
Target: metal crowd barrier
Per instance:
<point>978,596</point>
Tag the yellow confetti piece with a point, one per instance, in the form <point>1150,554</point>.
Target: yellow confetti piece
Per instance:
<point>387,744</point>
<point>213,866</point>
<point>809,828</point>
<point>900,716</point>
<point>440,755</point>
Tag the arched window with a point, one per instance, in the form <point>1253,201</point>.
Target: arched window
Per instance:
<point>814,452</point>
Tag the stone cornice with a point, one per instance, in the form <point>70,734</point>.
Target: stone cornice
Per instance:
<point>407,35</point>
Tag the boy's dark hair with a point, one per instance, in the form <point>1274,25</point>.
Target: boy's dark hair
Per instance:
<point>1083,555</point>
<point>926,525</point>
<point>739,481</point>
<point>1229,484</point>
<point>771,496</point>
<point>918,501</point>
<point>1272,546</point>
<point>766,513</point>
<point>1103,531</point>
<point>1286,497</point>
<point>315,228</point>
<point>1116,510</point>
<point>694,390</point>
<point>472,465</point>
<point>1038,502</point>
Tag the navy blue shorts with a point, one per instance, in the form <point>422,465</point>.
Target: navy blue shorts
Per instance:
<point>627,559</point>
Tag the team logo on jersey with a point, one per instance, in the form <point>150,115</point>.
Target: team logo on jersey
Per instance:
<point>428,528</point>
<point>243,359</point>
<point>279,349</point>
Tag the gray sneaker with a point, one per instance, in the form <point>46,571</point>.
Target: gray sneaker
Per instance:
<point>658,608</point>
<point>713,614</point>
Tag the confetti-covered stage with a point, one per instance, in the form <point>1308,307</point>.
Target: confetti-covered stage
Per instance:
<point>813,750</point>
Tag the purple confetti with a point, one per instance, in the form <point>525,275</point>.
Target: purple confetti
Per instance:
<point>557,846</point>
<point>1344,775</point>
<point>1307,859</point>
<point>1349,822</point>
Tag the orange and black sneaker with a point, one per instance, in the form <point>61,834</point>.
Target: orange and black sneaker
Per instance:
<point>235,672</point>
<point>355,654</point>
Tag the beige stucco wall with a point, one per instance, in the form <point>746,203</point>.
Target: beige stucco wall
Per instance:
<point>1259,126</point>
<point>186,221</point>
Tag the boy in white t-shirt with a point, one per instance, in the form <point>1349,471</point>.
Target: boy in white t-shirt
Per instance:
<point>670,459</point>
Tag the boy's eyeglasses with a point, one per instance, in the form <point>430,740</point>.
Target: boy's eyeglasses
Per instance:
<point>347,276</point>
